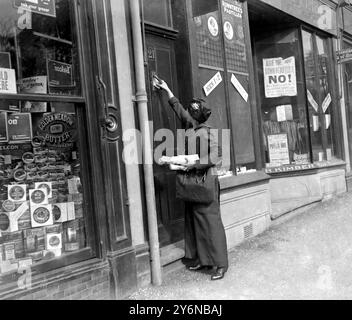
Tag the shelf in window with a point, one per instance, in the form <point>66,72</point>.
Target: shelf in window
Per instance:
<point>42,35</point>
<point>42,98</point>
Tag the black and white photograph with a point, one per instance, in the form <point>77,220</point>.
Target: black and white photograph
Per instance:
<point>175,155</point>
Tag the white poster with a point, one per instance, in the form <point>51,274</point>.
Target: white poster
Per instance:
<point>278,149</point>
<point>8,81</point>
<point>242,91</point>
<point>326,103</point>
<point>312,101</point>
<point>280,77</point>
<point>212,84</point>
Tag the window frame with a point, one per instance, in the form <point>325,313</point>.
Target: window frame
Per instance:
<point>332,77</point>
<point>80,102</point>
<point>252,103</point>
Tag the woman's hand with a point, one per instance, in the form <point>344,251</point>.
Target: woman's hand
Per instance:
<point>163,85</point>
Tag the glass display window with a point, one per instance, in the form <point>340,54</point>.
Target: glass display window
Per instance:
<point>223,74</point>
<point>296,98</point>
<point>43,216</point>
<point>320,95</point>
<point>39,49</point>
<point>283,100</point>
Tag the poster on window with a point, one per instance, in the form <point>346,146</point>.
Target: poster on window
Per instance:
<point>278,149</point>
<point>60,77</point>
<point>44,7</point>
<point>8,81</point>
<point>280,77</point>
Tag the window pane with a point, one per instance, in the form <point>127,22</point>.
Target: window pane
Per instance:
<point>320,96</point>
<point>41,198</point>
<point>283,99</point>
<point>238,79</point>
<point>158,12</point>
<point>206,19</point>
<point>41,48</point>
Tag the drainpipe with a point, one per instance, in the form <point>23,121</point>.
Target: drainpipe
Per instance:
<point>142,99</point>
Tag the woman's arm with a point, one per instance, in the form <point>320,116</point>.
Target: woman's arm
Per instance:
<point>175,104</point>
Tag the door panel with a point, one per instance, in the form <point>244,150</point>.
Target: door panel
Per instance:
<point>161,60</point>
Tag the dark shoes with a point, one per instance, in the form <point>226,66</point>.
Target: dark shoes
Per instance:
<point>219,274</point>
<point>195,268</point>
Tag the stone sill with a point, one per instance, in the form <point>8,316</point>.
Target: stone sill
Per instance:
<point>243,180</point>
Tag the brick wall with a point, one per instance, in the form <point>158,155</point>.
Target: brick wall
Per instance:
<point>85,284</point>
<point>93,286</point>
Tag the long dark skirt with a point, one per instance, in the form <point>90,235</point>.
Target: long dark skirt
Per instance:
<point>205,238</point>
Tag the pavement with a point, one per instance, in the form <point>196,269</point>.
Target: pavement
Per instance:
<point>307,257</point>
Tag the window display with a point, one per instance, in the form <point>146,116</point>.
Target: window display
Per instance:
<point>283,100</point>
<point>41,194</point>
<point>41,197</point>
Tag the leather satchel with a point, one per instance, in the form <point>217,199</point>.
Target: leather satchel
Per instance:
<point>196,187</point>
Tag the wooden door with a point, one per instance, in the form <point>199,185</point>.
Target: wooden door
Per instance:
<point>161,60</point>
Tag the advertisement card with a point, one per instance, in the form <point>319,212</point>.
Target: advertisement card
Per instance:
<point>19,127</point>
<point>53,241</point>
<point>17,193</point>
<point>35,85</point>
<point>42,216</point>
<point>38,197</point>
<point>8,81</point>
<point>45,185</point>
<point>44,7</point>
<point>60,212</point>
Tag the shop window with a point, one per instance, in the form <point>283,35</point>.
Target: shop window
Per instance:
<point>283,99</point>
<point>157,12</point>
<point>43,220</point>
<point>320,95</point>
<point>296,98</point>
<point>223,73</point>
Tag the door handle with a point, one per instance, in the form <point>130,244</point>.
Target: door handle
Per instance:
<point>109,121</point>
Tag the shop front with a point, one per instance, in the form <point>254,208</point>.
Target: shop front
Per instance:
<point>268,70</point>
<point>298,96</point>
<point>64,224</point>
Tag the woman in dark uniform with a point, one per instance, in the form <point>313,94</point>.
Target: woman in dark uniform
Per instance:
<point>205,238</point>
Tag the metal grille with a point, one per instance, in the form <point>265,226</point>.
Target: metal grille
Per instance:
<point>248,231</point>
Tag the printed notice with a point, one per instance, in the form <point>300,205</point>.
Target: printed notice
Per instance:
<point>8,81</point>
<point>44,7</point>
<point>280,77</point>
<point>326,103</point>
<point>239,87</point>
<point>212,84</point>
<point>278,149</point>
<point>312,101</point>
<point>284,113</point>
<point>34,85</point>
